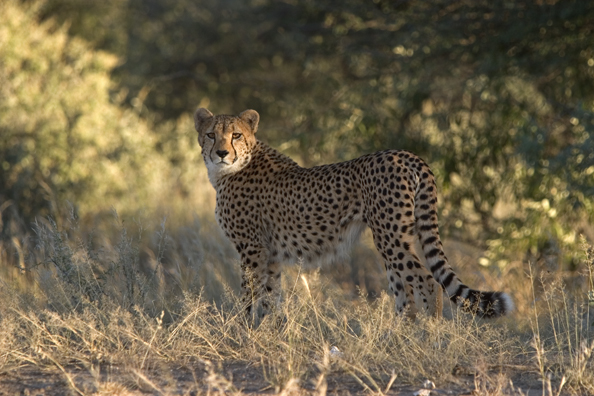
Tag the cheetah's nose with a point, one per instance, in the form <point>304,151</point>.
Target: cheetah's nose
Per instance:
<point>222,153</point>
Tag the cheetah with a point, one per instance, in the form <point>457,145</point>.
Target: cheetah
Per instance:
<point>274,211</point>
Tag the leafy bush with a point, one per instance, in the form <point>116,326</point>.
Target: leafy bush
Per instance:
<point>497,96</point>
<point>65,138</point>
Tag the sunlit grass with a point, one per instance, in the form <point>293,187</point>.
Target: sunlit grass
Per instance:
<point>142,298</point>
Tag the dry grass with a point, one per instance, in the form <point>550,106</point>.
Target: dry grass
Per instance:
<point>129,308</point>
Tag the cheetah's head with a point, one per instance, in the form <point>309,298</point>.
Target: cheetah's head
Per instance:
<point>226,141</point>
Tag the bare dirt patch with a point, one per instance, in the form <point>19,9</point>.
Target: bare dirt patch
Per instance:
<point>248,379</point>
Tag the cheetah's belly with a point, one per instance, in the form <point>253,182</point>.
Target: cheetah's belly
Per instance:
<point>314,246</point>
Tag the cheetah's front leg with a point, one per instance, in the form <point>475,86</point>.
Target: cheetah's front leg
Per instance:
<point>272,298</point>
<point>260,279</point>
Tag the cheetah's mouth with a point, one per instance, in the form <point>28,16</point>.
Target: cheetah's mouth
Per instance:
<point>224,162</point>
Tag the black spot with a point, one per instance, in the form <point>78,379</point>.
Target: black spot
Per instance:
<point>428,227</point>
<point>430,240</point>
<point>437,266</point>
<point>448,280</point>
<point>433,253</point>
<point>458,293</point>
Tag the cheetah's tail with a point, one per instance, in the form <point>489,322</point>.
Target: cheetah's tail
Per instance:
<point>485,304</point>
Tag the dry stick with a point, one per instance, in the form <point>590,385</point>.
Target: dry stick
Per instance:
<point>147,381</point>
<point>313,304</point>
<point>180,325</point>
<point>150,344</point>
<point>22,356</point>
<point>363,384</point>
<point>536,340</point>
<point>351,369</point>
<point>68,377</point>
<point>392,379</point>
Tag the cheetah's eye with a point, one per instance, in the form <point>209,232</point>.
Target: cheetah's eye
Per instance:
<point>210,135</point>
<point>236,136</point>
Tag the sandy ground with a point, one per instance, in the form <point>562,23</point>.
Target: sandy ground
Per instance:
<point>234,378</point>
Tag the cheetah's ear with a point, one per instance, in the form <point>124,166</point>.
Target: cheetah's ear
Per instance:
<point>252,118</point>
<point>201,116</point>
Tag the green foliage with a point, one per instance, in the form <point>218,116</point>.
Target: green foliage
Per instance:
<point>497,96</point>
<point>63,137</point>
<point>97,22</point>
<point>59,129</point>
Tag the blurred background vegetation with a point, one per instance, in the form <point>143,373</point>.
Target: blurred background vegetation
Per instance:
<point>96,101</point>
